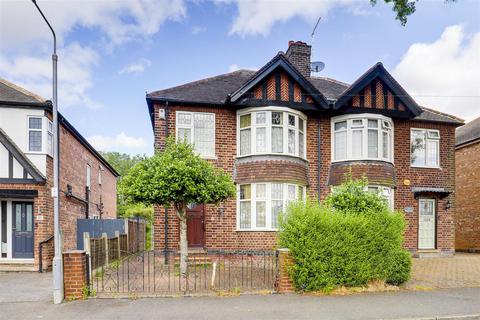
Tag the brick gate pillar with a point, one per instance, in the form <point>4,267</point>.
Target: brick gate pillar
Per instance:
<point>74,274</point>
<point>285,261</point>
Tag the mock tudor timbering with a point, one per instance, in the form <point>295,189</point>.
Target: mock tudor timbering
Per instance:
<point>380,116</point>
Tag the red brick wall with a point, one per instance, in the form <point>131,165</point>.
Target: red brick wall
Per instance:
<point>424,177</point>
<point>74,158</point>
<point>74,274</point>
<point>220,228</point>
<point>467,162</point>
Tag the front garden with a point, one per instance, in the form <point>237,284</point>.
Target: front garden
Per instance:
<point>351,239</point>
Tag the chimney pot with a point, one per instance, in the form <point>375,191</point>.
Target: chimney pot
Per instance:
<point>298,54</point>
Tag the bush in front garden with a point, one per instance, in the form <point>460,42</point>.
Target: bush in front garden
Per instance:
<point>336,247</point>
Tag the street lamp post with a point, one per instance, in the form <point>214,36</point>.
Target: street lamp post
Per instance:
<point>57,260</point>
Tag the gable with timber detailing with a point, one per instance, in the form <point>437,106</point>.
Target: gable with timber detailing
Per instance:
<point>376,95</point>
<point>15,167</point>
<point>278,86</point>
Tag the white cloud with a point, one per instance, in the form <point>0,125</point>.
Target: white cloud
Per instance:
<point>444,74</point>
<point>259,16</point>
<point>236,67</point>
<point>118,20</point>
<point>198,29</point>
<point>136,67</point>
<point>74,74</point>
<point>120,141</point>
<point>26,41</point>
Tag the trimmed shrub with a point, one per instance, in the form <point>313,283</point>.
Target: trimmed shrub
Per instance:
<point>333,247</point>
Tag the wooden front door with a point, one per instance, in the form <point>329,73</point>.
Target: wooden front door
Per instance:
<point>196,225</point>
<point>22,230</point>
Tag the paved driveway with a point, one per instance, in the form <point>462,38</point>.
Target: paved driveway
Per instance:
<point>25,286</point>
<point>461,270</point>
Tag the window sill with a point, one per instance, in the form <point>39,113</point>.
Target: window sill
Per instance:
<point>209,157</point>
<point>424,167</point>
<point>359,160</point>
<point>271,155</point>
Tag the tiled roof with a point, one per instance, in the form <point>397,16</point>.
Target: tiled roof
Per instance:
<point>468,132</point>
<point>209,90</point>
<point>214,90</point>
<point>10,92</point>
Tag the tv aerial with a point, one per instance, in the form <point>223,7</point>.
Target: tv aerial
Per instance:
<point>316,66</point>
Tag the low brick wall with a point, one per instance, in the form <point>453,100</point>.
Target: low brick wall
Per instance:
<point>74,274</point>
<point>285,260</point>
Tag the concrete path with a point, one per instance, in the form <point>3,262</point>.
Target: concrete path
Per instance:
<point>25,287</point>
<point>394,305</point>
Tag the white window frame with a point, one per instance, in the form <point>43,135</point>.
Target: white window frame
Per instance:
<point>427,139</point>
<point>191,126</point>
<point>385,124</point>
<point>42,138</point>
<point>268,135</point>
<point>100,169</point>
<point>88,176</point>
<point>268,203</point>
<point>387,193</point>
<point>49,138</point>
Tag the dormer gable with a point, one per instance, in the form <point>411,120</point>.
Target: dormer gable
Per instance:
<point>279,82</point>
<point>376,91</point>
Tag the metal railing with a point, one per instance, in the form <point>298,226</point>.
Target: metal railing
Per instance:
<point>157,272</point>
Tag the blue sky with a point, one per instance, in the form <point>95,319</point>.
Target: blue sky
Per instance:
<point>112,52</point>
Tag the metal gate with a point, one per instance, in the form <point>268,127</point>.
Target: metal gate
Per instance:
<point>157,273</point>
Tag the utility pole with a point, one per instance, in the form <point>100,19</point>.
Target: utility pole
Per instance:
<point>57,260</point>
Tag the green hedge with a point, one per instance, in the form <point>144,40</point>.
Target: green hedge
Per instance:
<point>333,247</point>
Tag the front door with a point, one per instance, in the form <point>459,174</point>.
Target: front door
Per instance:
<point>196,225</point>
<point>426,224</point>
<point>22,230</point>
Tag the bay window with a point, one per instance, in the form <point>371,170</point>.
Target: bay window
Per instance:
<point>424,146</point>
<point>197,128</point>
<point>260,205</point>
<point>384,192</point>
<point>271,131</point>
<point>362,137</point>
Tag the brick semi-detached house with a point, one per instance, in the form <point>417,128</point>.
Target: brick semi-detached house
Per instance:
<point>283,135</point>
<point>467,161</point>
<point>26,178</point>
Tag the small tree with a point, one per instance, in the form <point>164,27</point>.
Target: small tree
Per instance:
<point>177,177</point>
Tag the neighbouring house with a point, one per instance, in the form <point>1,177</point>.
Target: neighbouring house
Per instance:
<point>87,182</point>
<point>467,191</point>
<point>284,134</point>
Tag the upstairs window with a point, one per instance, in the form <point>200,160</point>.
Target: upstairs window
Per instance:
<point>271,131</point>
<point>35,134</point>
<point>362,137</point>
<point>50,138</point>
<point>424,146</point>
<point>197,128</point>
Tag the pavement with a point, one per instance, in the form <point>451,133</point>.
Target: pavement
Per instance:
<point>438,304</point>
<point>29,296</point>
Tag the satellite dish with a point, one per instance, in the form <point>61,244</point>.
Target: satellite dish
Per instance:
<point>317,66</point>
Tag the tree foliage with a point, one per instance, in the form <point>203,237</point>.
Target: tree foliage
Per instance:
<point>177,176</point>
<point>350,240</point>
<point>403,8</point>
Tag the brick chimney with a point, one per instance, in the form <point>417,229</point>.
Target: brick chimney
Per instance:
<point>298,54</point>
